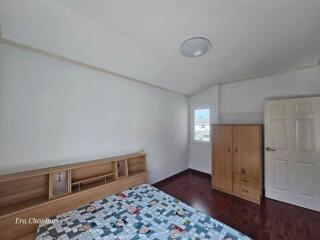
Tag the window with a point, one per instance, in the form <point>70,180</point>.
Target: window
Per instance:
<point>201,125</point>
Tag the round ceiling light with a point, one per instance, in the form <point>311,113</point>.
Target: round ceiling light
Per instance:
<point>195,46</point>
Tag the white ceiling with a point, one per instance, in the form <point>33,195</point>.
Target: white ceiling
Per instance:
<point>141,38</point>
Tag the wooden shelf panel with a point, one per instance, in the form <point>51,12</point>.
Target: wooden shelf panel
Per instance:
<point>19,194</point>
<point>136,172</point>
<point>91,179</point>
<point>136,165</point>
<point>23,185</point>
<point>22,205</point>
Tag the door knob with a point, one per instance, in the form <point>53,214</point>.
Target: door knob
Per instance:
<point>269,149</point>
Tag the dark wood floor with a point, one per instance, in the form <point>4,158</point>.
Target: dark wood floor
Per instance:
<point>271,220</point>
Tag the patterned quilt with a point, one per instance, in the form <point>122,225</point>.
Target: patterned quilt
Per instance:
<point>142,212</point>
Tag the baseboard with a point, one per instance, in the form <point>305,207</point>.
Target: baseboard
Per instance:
<point>203,174</point>
<point>184,172</point>
<point>172,177</point>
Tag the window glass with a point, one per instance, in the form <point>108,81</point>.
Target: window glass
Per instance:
<point>201,125</point>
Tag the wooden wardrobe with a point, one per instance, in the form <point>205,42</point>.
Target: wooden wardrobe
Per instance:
<point>237,160</point>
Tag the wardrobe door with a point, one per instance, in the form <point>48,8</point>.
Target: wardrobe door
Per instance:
<point>222,157</point>
<point>247,150</point>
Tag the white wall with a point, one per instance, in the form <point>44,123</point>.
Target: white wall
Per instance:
<point>200,153</point>
<point>242,102</point>
<point>53,112</point>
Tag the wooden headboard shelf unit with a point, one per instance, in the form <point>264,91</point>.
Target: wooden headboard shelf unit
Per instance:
<point>50,191</point>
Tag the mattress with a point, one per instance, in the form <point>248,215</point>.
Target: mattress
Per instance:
<point>142,212</point>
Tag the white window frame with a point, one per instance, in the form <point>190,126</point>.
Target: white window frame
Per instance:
<point>193,125</point>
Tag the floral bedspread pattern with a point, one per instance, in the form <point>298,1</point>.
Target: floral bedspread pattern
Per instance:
<point>142,212</point>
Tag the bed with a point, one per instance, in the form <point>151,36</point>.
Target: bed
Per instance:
<point>141,212</point>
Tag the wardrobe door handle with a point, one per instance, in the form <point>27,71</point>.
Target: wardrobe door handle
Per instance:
<point>229,149</point>
<point>235,149</point>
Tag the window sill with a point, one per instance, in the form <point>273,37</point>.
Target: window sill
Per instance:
<point>200,142</point>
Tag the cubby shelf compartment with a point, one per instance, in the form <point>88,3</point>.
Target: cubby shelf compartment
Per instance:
<point>59,184</point>
<point>89,182</point>
<point>122,168</point>
<point>92,179</point>
<point>21,193</point>
<point>22,205</point>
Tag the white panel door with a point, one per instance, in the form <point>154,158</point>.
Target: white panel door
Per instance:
<point>292,151</point>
